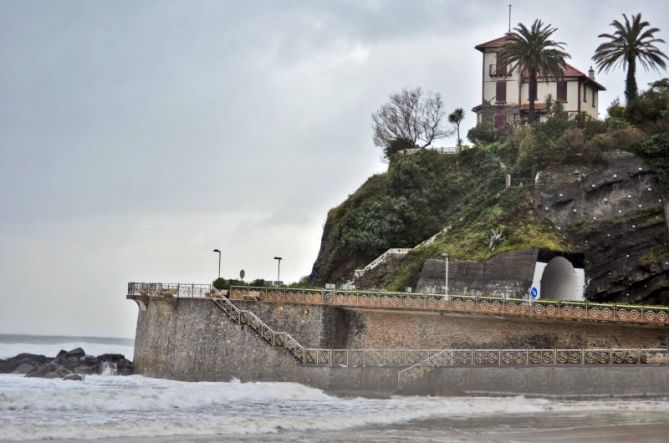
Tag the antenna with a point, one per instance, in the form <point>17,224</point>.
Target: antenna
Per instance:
<point>509,18</point>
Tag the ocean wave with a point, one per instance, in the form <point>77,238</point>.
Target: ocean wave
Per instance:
<point>135,406</point>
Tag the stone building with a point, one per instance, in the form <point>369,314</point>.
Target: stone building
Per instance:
<point>505,93</point>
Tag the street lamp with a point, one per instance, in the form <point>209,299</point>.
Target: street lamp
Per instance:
<point>218,251</point>
<point>278,269</point>
<point>445,255</point>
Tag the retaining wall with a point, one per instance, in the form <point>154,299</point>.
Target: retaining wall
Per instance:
<point>193,340</point>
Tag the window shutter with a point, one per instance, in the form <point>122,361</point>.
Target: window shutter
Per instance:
<point>562,91</point>
<point>501,70</point>
<point>501,91</point>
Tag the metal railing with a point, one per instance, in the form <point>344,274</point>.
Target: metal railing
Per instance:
<point>540,309</point>
<point>531,357</point>
<point>493,305</point>
<point>180,290</point>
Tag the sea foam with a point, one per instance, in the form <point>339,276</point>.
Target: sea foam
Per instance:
<point>135,406</point>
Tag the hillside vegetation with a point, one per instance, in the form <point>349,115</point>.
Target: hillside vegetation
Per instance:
<point>419,196</point>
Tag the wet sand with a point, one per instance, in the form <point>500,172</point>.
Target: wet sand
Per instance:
<point>621,426</point>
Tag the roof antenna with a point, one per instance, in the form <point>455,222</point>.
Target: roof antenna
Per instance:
<point>509,18</point>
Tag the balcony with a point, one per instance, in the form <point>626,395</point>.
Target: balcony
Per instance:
<point>498,71</point>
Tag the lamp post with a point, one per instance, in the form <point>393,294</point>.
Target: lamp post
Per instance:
<point>218,251</point>
<point>278,269</point>
<point>445,255</point>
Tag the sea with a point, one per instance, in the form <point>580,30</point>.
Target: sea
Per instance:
<point>109,408</point>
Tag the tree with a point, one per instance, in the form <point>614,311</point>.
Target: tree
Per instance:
<point>630,42</point>
<point>455,118</point>
<point>409,115</point>
<point>532,52</point>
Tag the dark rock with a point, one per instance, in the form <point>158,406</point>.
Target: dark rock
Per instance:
<point>117,363</point>
<point>65,364</point>
<point>74,377</point>
<point>9,365</point>
<point>23,368</point>
<point>49,370</point>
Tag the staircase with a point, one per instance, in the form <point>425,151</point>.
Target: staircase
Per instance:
<point>418,371</point>
<point>245,317</point>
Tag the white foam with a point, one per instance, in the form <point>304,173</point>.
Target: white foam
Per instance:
<point>105,407</point>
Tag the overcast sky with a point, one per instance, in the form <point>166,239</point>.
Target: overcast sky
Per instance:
<point>137,136</point>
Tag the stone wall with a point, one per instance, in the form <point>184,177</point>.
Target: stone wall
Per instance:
<point>507,274</point>
<point>192,339</point>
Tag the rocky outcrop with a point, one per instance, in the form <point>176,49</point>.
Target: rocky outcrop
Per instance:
<point>613,214</point>
<point>68,365</point>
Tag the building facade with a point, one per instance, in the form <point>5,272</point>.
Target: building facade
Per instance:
<point>505,93</point>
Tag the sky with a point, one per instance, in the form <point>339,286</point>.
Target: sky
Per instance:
<point>137,136</point>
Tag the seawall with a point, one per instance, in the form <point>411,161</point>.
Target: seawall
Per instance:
<point>192,339</point>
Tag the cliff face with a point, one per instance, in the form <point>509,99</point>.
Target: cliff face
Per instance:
<point>614,214</point>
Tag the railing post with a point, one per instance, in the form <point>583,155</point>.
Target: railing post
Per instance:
<point>641,317</point>
<point>582,356</point>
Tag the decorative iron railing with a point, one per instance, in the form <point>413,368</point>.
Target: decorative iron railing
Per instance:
<point>180,290</point>
<point>540,309</point>
<point>530,357</point>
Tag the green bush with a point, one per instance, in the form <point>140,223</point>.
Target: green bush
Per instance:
<point>655,151</point>
<point>482,134</point>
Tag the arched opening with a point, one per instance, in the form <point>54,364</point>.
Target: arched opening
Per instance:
<point>559,280</point>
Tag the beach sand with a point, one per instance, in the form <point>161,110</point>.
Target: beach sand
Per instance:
<point>560,427</point>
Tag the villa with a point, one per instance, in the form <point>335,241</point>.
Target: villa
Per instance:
<point>506,93</point>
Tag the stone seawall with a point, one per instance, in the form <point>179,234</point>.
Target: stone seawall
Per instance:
<point>193,340</point>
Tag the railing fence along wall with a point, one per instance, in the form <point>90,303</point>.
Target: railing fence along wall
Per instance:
<point>540,309</point>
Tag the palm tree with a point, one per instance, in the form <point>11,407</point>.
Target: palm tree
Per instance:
<point>455,118</point>
<point>631,41</point>
<point>533,52</point>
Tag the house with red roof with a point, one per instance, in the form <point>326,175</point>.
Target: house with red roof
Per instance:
<point>505,93</point>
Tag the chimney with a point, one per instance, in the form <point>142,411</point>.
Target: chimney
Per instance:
<point>591,73</point>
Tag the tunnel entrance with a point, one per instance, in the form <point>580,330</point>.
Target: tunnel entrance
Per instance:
<point>559,280</point>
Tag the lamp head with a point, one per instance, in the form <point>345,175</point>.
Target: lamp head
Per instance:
<point>216,250</point>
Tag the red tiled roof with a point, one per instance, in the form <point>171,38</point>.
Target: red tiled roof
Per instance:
<point>496,43</point>
<point>569,71</point>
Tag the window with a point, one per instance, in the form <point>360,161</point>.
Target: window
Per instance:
<point>533,91</point>
<point>562,91</point>
<point>501,91</point>
<point>501,70</point>
<point>593,97</point>
<point>585,96</point>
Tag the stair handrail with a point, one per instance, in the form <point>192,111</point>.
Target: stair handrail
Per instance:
<point>276,338</point>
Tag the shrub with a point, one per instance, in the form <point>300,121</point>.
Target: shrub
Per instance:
<point>482,134</point>
<point>622,138</point>
<point>655,151</point>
